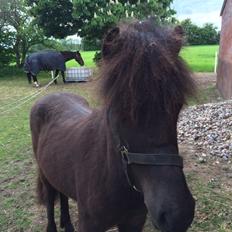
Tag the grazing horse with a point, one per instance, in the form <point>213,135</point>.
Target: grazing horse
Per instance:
<point>49,61</point>
<point>121,161</point>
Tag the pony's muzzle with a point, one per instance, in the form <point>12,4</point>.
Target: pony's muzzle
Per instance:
<point>173,219</point>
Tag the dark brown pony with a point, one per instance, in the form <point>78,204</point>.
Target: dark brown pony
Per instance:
<point>120,162</point>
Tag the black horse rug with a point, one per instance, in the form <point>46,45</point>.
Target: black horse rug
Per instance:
<point>44,60</point>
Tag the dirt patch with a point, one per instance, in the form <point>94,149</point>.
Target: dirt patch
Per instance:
<point>204,80</point>
<point>209,170</point>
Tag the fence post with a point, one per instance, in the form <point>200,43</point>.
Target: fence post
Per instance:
<point>216,62</point>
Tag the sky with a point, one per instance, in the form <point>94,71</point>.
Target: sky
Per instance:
<point>199,11</point>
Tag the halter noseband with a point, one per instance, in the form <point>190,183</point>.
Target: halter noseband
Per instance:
<point>151,159</point>
<point>147,159</point>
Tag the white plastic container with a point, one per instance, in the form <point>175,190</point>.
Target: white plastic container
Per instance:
<point>78,74</point>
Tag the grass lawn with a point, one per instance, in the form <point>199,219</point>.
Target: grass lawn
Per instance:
<point>18,208</point>
<point>87,57</point>
<point>198,58</point>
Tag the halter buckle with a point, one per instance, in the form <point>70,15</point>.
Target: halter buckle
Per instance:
<point>124,153</point>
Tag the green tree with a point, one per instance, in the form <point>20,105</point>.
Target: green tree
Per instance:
<point>6,49</point>
<point>196,35</point>
<point>18,26</point>
<point>209,34</point>
<point>192,32</point>
<point>6,40</point>
<point>54,16</point>
<point>92,18</point>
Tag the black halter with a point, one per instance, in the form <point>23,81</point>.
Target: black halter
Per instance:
<point>151,159</point>
<point>129,158</point>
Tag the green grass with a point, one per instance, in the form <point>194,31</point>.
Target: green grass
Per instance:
<point>200,58</point>
<point>87,57</point>
<point>213,205</point>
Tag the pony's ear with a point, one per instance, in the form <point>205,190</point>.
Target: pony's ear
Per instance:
<point>110,37</point>
<point>112,34</point>
<point>178,37</point>
<point>178,30</point>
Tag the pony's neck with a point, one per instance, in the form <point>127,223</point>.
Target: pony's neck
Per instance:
<point>68,55</point>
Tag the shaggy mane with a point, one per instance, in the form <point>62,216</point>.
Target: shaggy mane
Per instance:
<point>142,72</point>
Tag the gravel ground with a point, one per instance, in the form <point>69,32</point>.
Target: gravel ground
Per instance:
<point>208,128</point>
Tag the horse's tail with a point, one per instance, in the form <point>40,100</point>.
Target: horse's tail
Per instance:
<point>44,189</point>
<point>26,65</point>
<point>41,191</point>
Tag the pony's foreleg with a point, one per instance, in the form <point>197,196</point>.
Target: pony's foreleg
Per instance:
<point>89,228</point>
<point>134,223</point>
<point>85,223</point>
<point>130,228</point>
<point>35,81</point>
<point>63,76</point>
<point>29,77</point>
<point>65,221</point>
